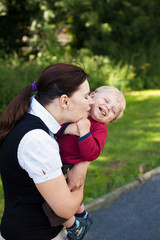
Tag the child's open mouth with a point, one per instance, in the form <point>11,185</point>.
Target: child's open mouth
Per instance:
<point>102,111</point>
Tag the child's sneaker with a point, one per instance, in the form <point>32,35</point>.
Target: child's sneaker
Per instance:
<point>87,219</point>
<point>78,232</point>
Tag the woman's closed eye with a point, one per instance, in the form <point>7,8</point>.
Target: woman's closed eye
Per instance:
<point>87,96</point>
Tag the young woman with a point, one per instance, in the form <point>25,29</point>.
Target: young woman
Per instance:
<point>30,163</point>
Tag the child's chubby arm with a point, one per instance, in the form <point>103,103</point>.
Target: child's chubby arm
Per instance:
<point>83,126</point>
<point>91,142</point>
<point>79,128</point>
<point>76,176</point>
<point>68,129</point>
<point>72,129</point>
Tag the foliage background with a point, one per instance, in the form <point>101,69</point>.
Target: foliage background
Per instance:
<point>125,31</point>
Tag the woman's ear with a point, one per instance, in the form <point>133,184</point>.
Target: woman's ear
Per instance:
<point>64,101</point>
<point>92,94</point>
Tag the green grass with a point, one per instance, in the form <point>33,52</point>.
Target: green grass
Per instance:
<point>132,140</point>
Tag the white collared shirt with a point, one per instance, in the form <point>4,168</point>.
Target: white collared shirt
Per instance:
<point>38,152</point>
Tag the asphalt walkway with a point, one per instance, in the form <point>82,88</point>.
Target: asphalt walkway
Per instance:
<point>134,215</point>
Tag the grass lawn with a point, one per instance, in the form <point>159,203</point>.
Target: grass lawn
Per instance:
<point>132,141</point>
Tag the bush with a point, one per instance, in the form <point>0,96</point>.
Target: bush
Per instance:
<point>15,74</point>
<point>138,74</point>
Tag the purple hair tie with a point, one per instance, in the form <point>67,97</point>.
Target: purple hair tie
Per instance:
<point>34,87</point>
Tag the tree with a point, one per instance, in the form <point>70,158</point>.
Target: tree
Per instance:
<point>107,26</point>
<point>15,22</point>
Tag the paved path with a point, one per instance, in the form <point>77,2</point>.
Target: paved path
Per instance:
<point>135,215</point>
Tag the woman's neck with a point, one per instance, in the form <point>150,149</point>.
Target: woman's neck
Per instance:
<point>56,111</point>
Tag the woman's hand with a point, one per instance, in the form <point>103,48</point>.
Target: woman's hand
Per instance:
<point>76,176</point>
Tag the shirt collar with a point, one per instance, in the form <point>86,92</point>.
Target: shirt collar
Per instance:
<point>38,110</point>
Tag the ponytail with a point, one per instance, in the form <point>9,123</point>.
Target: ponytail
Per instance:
<point>55,80</point>
<point>17,108</point>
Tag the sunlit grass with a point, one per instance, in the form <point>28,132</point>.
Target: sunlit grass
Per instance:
<point>132,141</point>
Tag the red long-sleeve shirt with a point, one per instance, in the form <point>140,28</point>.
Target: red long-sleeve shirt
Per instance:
<point>75,149</point>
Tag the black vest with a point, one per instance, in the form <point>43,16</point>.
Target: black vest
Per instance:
<point>23,217</point>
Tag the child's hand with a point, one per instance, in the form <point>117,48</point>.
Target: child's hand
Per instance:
<point>83,126</point>
<point>72,129</point>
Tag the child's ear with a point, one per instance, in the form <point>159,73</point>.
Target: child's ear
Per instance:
<point>113,120</point>
<point>92,94</point>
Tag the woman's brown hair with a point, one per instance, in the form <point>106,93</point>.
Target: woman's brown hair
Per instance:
<point>55,80</point>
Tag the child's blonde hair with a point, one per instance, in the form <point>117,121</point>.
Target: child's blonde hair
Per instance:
<point>119,98</point>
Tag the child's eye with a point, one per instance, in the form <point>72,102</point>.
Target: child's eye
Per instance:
<point>106,100</point>
<point>113,110</point>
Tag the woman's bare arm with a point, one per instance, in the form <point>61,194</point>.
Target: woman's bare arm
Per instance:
<point>57,194</point>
